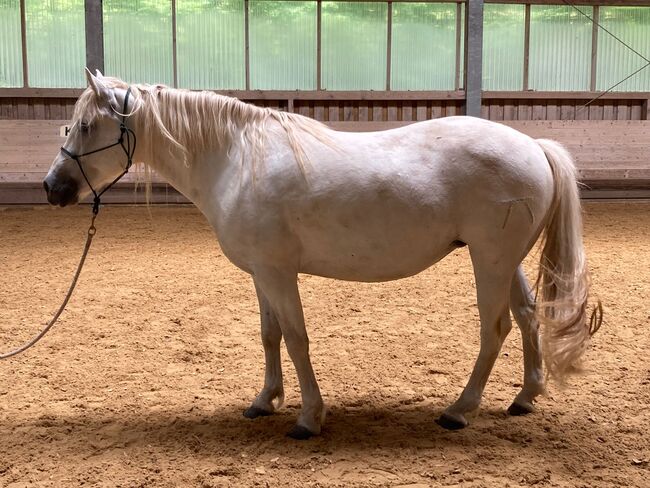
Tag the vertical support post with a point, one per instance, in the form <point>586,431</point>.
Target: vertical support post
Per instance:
<point>473,57</point>
<point>645,110</point>
<point>23,39</point>
<point>594,48</point>
<point>319,14</point>
<point>247,43</point>
<point>459,13</point>
<point>526,46</point>
<point>174,55</point>
<point>94,35</point>
<point>389,42</point>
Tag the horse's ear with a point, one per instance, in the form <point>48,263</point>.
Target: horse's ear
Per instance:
<point>98,86</point>
<point>89,77</point>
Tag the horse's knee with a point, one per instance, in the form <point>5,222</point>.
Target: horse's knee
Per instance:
<point>271,338</point>
<point>297,344</point>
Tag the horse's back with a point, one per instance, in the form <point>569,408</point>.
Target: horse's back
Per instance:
<point>385,205</point>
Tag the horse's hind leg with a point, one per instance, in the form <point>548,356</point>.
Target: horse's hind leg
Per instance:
<point>522,305</point>
<point>272,394</point>
<point>493,278</point>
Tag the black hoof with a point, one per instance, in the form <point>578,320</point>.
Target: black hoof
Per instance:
<point>516,410</point>
<point>254,412</point>
<point>449,423</point>
<point>300,433</point>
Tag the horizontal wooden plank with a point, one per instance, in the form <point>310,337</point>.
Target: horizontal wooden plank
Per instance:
<point>615,193</point>
<point>28,131</point>
<point>38,176</point>
<point>278,95</point>
<point>253,95</point>
<point>30,193</point>
<point>585,96</point>
<point>25,92</point>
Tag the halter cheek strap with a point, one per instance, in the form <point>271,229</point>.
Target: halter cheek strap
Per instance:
<point>126,141</point>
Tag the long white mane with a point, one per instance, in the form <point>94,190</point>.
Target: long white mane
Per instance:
<point>192,121</point>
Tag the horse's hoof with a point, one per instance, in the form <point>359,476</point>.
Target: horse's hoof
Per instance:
<point>450,423</point>
<point>300,433</point>
<point>517,409</point>
<point>254,412</point>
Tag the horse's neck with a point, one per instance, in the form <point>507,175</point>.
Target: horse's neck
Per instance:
<point>209,166</point>
<point>195,178</point>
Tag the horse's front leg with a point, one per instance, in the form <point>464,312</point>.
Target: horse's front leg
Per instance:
<point>272,395</point>
<point>281,290</point>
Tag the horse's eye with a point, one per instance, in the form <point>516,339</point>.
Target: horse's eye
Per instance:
<point>84,127</point>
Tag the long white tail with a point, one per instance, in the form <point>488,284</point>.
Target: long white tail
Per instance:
<point>563,280</point>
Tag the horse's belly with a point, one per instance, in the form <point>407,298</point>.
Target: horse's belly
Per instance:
<point>371,253</point>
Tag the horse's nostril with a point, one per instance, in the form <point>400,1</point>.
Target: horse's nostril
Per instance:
<point>46,186</point>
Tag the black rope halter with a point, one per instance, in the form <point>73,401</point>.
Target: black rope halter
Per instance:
<point>127,141</point>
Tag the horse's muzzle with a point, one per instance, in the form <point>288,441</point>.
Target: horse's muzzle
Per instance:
<point>61,194</point>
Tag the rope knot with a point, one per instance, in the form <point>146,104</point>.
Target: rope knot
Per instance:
<point>96,202</point>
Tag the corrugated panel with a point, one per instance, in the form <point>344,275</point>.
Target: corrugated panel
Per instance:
<point>138,40</point>
<point>560,48</point>
<point>615,61</point>
<point>56,43</point>
<point>423,50</point>
<point>11,49</point>
<point>282,45</point>
<point>210,44</point>
<point>503,47</point>
<point>354,38</point>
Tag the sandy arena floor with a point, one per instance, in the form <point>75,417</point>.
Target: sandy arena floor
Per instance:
<point>144,380</point>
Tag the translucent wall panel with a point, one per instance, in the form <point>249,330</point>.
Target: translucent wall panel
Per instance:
<point>282,45</point>
<point>11,62</point>
<point>353,45</point>
<point>462,47</point>
<point>138,40</point>
<point>615,61</point>
<point>560,48</point>
<point>503,46</point>
<point>423,50</point>
<point>56,43</point>
<point>210,44</point>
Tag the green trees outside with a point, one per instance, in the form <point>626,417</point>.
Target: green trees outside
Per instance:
<point>211,45</point>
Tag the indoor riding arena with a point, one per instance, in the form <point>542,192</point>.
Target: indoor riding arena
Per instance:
<point>167,361</point>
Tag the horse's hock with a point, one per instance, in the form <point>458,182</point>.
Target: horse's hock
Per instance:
<point>611,156</point>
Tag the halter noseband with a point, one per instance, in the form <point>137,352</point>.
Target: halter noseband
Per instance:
<point>126,137</point>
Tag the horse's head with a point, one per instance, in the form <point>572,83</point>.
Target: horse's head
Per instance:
<point>99,146</point>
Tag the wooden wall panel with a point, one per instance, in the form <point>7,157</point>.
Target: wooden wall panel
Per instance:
<point>563,109</point>
<point>380,107</point>
<point>610,155</point>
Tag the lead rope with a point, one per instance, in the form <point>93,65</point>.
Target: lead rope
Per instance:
<point>129,150</point>
<point>89,239</point>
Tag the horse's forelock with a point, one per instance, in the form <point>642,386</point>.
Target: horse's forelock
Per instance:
<point>86,108</point>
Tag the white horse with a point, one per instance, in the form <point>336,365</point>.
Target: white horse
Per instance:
<point>287,195</point>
